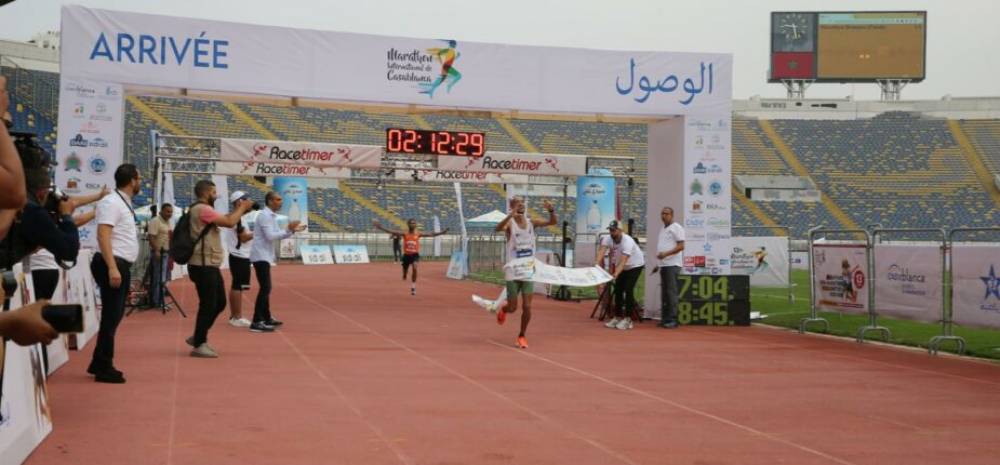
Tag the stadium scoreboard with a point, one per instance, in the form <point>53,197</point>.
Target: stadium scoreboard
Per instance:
<point>848,46</point>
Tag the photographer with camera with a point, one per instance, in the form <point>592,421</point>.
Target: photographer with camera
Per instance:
<point>42,264</point>
<point>237,241</point>
<point>118,242</point>
<point>158,231</point>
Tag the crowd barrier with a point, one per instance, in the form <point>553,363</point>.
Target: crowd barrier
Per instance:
<point>926,276</point>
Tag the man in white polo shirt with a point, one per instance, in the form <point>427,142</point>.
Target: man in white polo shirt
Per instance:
<point>669,248</point>
<point>118,243</point>
<point>626,271</point>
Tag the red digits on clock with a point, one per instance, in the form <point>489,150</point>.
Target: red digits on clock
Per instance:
<point>394,140</point>
<point>409,141</point>
<point>478,147</point>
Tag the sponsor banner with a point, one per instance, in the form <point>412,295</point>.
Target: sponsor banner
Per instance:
<point>257,168</point>
<point>707,195</point>
<point>800,260</point>
<point>295,195</point>
<point>458,176</point>
<point>763,258</point>
<point>89,142</point>
<point>517,163</point>
<point>841,277</point>
<point>318,155</point>
<point>316,255</point>
<point>458,267</point>
<point>595,204</point>
<point>79,287</point>
<point>166,51</point>
<point>976,275</point>
<point>908,281</point>
<point>350,253</point>
<point>25,412</point>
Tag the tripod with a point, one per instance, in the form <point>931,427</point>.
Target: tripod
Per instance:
<point>160,274</point>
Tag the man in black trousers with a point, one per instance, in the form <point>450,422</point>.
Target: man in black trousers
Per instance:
<point>118,242</point>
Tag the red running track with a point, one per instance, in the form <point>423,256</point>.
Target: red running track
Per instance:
<point>364,373</point>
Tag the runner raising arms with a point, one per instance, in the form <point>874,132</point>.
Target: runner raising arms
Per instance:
<point>520,231</point>
<point>411,247</point>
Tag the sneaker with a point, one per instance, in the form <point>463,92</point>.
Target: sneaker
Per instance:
<point>670,325</point>
<point>522,342</point>
<point>261,327</point>
<point>204,351</point>
<point>613,323</point>
<point>501,316</point>
<point>625,323</point>
<point>239,322</point>
<point>273,322</point>
<point>413,292</point>
<point>190,342</point>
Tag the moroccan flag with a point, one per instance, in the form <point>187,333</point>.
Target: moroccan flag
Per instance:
<point>793,65</point>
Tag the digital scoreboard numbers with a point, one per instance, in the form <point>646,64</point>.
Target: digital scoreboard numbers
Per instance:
<point>418,141</point>
<point>712,300</point>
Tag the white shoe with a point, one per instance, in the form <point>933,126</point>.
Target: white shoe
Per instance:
<point>239,322</point>
<point>625,323</point>
<point>613,323</point>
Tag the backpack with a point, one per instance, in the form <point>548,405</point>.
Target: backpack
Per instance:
<point>181,243</point>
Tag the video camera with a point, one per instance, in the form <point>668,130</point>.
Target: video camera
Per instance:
<point>37,164</point>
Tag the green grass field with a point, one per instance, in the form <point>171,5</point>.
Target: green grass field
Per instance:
<point>781,312</point>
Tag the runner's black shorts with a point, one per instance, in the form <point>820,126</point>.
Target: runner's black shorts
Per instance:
<point>410,259</point>
<point>240,268</point>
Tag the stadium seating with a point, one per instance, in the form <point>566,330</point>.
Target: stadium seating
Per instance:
<point>897,169</point>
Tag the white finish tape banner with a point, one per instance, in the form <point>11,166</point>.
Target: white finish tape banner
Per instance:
<point>764,258</point>
<point>540,272</point>
<point>976,275</point>
<point>508,163</point>
<point>841,277</point>
<point>908,281</point>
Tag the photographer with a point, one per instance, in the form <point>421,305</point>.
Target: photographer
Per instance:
<point>158,232</point>
<point>43,266</point>
<point>237,241</point>
<point>45,219</point>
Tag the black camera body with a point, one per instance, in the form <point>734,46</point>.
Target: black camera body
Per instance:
<point>37,164</point>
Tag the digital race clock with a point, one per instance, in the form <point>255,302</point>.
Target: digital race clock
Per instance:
<point>465,144</point>
<point>714,300</point>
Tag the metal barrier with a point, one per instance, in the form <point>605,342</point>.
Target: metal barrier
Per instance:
<point>788,235</point>
<point>947,322</point>
<point>813,310</point>
<point>877,234</point>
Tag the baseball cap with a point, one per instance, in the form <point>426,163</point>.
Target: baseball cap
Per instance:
<point>613,226</point>
<point>238,195</point>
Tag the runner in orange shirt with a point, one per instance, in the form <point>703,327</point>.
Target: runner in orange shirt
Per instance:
<point>411,248</point>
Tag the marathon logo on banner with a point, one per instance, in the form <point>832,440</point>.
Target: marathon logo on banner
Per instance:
<point>517,163</point>
<point>459,176</point>
<point>255,168</point>
<point>316,155</point>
